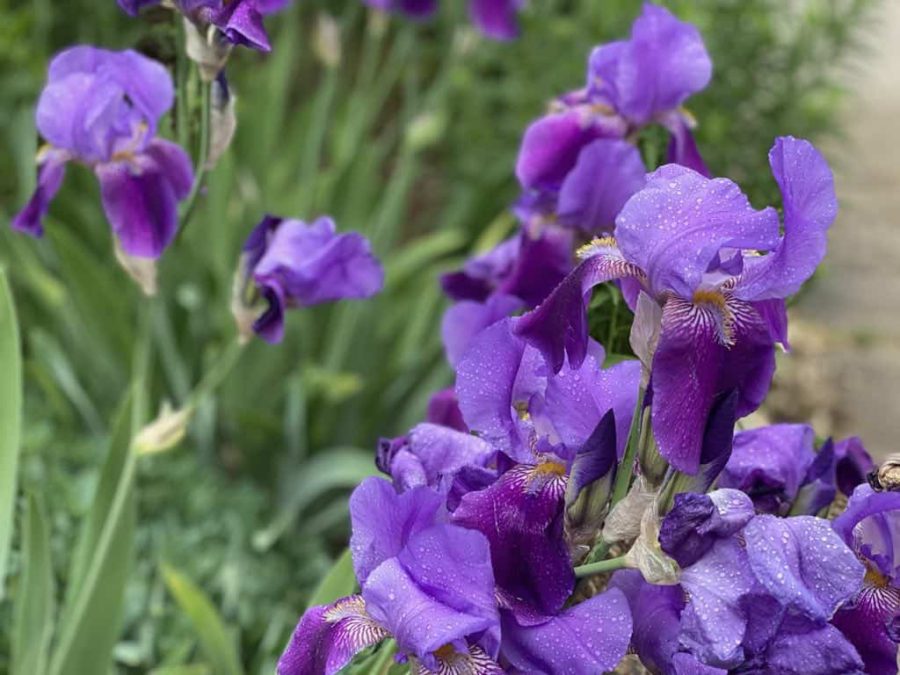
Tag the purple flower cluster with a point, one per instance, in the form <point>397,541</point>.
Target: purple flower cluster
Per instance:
<point>545,464</point>
<point>496,19</point>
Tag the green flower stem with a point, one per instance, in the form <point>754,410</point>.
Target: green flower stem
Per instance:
<point>216,374</point>
<point>626,466</point>
<point>201,168</point>
<point>600,567</point>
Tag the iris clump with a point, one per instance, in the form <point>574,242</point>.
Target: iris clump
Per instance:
<point>551,468</point>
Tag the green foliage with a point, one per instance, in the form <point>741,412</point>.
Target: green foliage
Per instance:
<point>411,139</point>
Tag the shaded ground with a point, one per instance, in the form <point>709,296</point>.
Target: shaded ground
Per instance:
<point>846,371</point>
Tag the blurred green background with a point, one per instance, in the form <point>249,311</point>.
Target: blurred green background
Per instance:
<point>411,139</point>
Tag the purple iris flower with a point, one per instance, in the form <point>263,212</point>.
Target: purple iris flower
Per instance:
<point>756,592</point>
<point>426,582</point>
<point>101,109</point>
<point>240,21</point>
<point>580,156</point>
<point>871,621</point>
<point>496,19</point>
<point>290,263</point>
<point>511,398</point>
<point>715,266</point>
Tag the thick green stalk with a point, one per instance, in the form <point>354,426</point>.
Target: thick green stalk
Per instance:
<point>626,466</point>
<point>600,567</point>
<point>200,168</point>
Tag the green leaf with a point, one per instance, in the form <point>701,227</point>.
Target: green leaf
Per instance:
<point>10,418</point>
<point>93,610</point>
<point>339,581</point>
<point>214,637</point>
<point>33,618</point>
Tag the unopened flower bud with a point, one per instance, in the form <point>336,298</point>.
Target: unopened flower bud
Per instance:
<point>163,433</point>
<point>207,48</point>
<point>327,41</point>
<point>142,270</point>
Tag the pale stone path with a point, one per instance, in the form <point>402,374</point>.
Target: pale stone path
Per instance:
<point>849,328</point>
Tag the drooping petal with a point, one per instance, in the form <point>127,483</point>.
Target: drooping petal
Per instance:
<point>51,171</point>
<point>589,638</point>
<point>437,591</point>
<point>559,327</point>
<point>713,622</point>
<point>606,174</point>
<point>140,197</point>
<point>242,23</point>
<point>590,483</point>
<point>800,646</point>
<point>803,563</point>
<point>383,521</point>
<point>869,622</point>
<point>871,525</point>
<point>682,146</point>
<point>313,264</point>
<point>467,318</point>
<point>661,65</point>
<point>481,274</point>
<point>521,515</point>
<point>818,488</point>
<point>542,262</point>
<point>810,206</point>
<point>769,464</point>
<point>692,368</point>
<point>328,636</point>
<point>495,18</point>
<point>853,464</point>
<point>676,225</point>
<point>656,613</point>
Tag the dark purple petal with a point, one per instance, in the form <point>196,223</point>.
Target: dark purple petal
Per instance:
<point>312,264</point>
<point>495,382</point>
<point>675,227</point>
<point>853,464</point>
<point>443,409</point>
<point>383,521</point>
<point>867,621</point>
<point>132,7</point>
<point>270,324</point>
<point>656,612</point>
<point>435,454</point>
<point>769,464</point>
<point>559,327</point>
<point>542,262</point>
<point>596,458</point>
<point>437,591</point>
<point>810,206</point>
<point>871,526</point>
<point>803,563</point>
<point>467,318</point>
<point>521,515</point>
<point>550,148</point>
<point>141,194</point>
<point>682,146</point>
<point>51,171</point>
<point>692,368</point>
<point>589,638</point>
<point>606,174</point>
<point>328,636</point>
<point>818,488</point>
<point>774,313</point>
<point>495,18</point>
<point>713,621</point>
<point>470,661</point>
<point>687,664</point>
<point>242,23</point>
<point>697,521</point>
<point>654,71</point>
<point>414,9</point>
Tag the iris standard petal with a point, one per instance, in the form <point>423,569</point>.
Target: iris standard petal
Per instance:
<point>495,18</point>
<point>676,225</point>
<point>550,148</point>
<point>467,318</point>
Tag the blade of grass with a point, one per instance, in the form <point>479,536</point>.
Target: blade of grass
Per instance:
<point>33,619</point>
<point>214,637</point>
<point>339,581</point>
<point>10,418</point>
